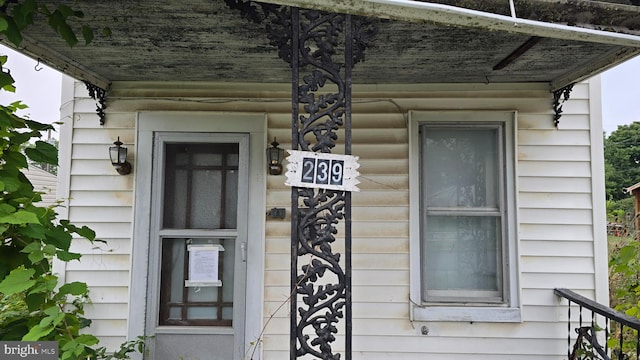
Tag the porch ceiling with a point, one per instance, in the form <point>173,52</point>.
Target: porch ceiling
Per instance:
<point>204,40</point>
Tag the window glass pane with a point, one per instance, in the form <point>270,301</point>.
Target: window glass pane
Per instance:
<point>231,193</point>
<point>207,159</point>
<point>200,186</point>
<point>193,305</point>
<point>461,233</point>
<point>205,207</point>
<point>460,167</point>
<point>462,253</point>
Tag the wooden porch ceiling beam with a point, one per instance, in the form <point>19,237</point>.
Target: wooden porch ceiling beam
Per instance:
<point>601,64</point>
<point>59,62</point>
<point>418,11</point>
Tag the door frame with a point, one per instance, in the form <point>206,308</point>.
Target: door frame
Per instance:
<point>148,123</point>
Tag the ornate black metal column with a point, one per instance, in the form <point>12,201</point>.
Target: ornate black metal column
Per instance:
<point>321,286</point>
<point>324,46</point>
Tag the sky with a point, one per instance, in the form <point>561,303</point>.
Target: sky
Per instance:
<point>40,90</point>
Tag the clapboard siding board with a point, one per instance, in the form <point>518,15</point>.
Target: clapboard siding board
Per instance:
<point>557,169</point>
<point>101,198</point>
<point>554,153</point>
<point>109,295</point>
<point>553,232</point>
<point>555,216</point>
<point>555,202</point>
<point>97,278</point>
<point>556,265</point>
<point>548,184</point>
<point>101,183</point>
<point>104,262</point>
<point>545,121</point>
<point>103,136</point>
<point>107,213</point>
<point>105,311</point>
<point>556,248</point>
<point>116,120</point>
<point>103,246</point>
<point>565,138</point>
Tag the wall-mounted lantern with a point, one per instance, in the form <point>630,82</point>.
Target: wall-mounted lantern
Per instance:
<point>274,158</point>
<point>118,155</point>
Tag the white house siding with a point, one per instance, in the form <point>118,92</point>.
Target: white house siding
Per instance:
<point>101,199</point>
<point>555,214</point>
<point>556,232</point>
<point>43,182</point>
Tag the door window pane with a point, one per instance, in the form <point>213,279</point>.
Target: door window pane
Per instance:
<point>200,186</point>
<point>192,305</point>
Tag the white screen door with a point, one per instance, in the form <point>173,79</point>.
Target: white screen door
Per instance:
<point>197,262</point>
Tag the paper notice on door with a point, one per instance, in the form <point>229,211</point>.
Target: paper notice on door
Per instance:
<point>203,265</point>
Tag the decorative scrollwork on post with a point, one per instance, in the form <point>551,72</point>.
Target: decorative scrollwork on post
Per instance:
<point>322,285</point>
<point>324,45</point>
<point>100,95</point>
<point>563,95</point>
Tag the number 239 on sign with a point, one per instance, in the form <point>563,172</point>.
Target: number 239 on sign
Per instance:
<point>322,171</point>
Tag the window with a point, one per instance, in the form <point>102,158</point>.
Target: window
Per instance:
<point>463,238</point>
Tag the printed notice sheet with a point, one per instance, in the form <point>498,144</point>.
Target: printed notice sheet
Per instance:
<point>203,265</point>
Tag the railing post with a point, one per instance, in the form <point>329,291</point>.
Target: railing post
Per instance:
<point>610,315</point>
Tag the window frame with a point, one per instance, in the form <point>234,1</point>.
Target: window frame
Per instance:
<point>505,309</point>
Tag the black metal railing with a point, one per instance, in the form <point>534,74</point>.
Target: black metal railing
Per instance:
<point>603,333</point>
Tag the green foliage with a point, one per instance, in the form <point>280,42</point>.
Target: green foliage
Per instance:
<point>32,306</point>
<point>624,283</point>
<point>32,236</point>
<point>620,211</point>
<point>16,15</point>
<point>622,160</point>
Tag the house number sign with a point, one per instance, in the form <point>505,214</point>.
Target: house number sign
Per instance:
<point>322,171</point>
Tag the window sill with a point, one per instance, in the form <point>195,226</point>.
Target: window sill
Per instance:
<point>466,314</point>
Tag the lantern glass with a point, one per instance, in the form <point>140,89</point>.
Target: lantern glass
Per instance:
<point>122,155</point>
<point>114,154</point>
